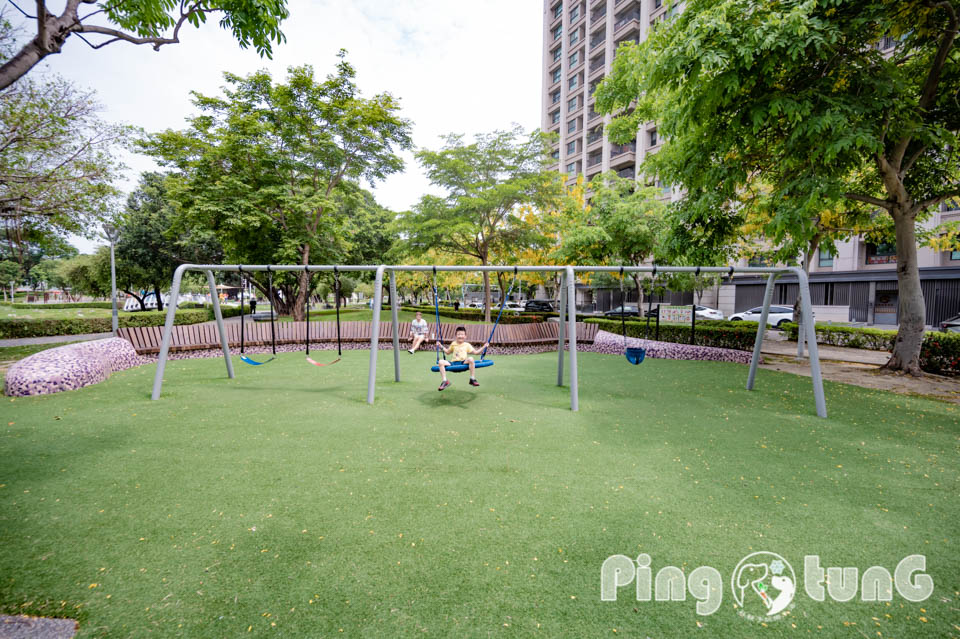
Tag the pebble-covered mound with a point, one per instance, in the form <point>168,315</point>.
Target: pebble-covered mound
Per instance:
<point>70,367</point>
<point>612,344</point>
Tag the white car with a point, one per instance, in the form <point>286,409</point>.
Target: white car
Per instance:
<point>513,306</point>
<point>777,316</point>
<point>707,313</point>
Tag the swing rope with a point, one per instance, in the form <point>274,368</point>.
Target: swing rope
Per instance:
<point>634,355</point>
<point>436,304</point>
<point>336,292</point>
<point>503,302</point>
<point>273,333</point>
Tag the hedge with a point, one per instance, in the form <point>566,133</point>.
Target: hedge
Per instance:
<point>39,305</point>
<point>872,339</point>
<point>476,314</point>
<point>17,328</point>
<point>739,337</point>
<point>939,353</point>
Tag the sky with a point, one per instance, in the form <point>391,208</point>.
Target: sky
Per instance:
<point>457,67</point>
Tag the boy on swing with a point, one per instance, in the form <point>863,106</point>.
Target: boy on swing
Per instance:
<point>461,350</point>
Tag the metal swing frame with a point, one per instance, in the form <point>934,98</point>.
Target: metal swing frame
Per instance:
<point>567,333</point>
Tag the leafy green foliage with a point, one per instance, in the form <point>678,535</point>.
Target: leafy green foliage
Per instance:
<point>791,105</point>
<point>273,170</point>
<point>9,272</point>
<point>486,184</point>
<point>152,22</point>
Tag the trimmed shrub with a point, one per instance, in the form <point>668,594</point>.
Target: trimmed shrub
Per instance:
<point>40,305</point>
<point>740,336</point>
<point>940,353</point>
<point>872,339</point>
<point>17,328</point>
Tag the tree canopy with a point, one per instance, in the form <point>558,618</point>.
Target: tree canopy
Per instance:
<point>487,182</point>
<point>274,170</point>
<point>846,105</point>
<point>155,23</point>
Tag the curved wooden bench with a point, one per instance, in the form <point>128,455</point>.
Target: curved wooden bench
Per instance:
<point>205,336</point>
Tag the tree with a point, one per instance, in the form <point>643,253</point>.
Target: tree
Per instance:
<point>151,22</point>
<point>274,169</point>
<point>486,183</point>
<point>152,244</point>
<point>57,162</point>
<point>840,103</point>
<point>83,276</point>
<point>620,226</point>
<point>9,272</point>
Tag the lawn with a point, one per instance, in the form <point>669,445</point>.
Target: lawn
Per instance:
<point>8,312</point>
<point>281,502</point>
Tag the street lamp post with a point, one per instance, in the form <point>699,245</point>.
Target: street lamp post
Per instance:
<point>111,232</point>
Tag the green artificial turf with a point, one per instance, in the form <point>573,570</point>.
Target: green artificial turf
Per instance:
<point>280,502</point>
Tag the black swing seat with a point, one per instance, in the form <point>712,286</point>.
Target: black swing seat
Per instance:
<point>459,367</point>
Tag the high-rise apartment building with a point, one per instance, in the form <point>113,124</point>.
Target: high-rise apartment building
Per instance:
<point>580,39</point>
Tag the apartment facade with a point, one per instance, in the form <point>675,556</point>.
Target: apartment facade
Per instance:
<point>580,39</point>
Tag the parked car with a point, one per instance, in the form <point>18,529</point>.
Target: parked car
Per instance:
<point>778,315</point>
<point>951,325</point>
<point>538,306</point>
<point>475,305</point>
<point>707,313</point>
<point>516,307</point>
<point>628,310</point>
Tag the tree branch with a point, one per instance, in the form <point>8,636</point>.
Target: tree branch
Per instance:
<point>936,199</point>
<point>868,199</point>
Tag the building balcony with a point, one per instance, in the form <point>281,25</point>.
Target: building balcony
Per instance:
<point>594,170</point>
<point>595,4</point>
<point>594,142</point>
<point>599,14</point>
<point>623,23</point>
<point>597,42</point>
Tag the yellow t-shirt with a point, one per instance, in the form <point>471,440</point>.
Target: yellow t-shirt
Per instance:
<point>460,352</point>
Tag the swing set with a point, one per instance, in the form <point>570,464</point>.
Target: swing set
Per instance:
<point>567,326</point>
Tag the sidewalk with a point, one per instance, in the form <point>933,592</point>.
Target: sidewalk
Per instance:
<point>827,353</point>
<point>53,339</point>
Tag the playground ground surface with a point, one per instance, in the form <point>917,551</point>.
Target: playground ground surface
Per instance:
<point>281,501</point>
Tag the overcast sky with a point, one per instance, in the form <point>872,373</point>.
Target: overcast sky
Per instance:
<point>464,67</point>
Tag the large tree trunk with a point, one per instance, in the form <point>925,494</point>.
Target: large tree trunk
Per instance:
<point>300,305</point>
<point>156,292</point>
<point>906,350</point>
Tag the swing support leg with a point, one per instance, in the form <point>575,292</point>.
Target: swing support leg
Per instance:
<point>561,325</point>
<point>375,333</point>
<point>572,337</point>
<point>394,306</point>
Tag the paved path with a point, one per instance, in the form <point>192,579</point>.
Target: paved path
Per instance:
<point>53,339</point>
<point>828,353</point>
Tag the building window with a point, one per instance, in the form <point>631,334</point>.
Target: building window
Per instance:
<point>955,255</point>
<point>558,10</point>
<point>652,137</point>
<point>883,253</point>
<point>555,97</point>
<point>760,261</point>
<point>555,155</point>
<point>571,147</point>
<point>574,82</point>
<point>556,76</point>
<point>558,32</point>
<point>573,103</point>
<point>575,37</point>
<point>557,54</point>
<point>657,4</point>
<point>574,59</point>
<point>575,13</point>
<point>572,167</point>
<point>825,258</point>
<point>555,117</point>
<point>572,126</point>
